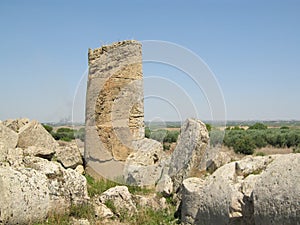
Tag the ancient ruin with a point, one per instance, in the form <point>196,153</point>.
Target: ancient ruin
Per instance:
<point>114,106</point>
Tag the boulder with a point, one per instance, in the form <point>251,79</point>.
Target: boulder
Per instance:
<point>34,134</point>
<point>79,169</point>
<point>216,162</point>
<point>16,124</point>
<point>66,186</point>
<point>102,211</point>
<point>25,196</point>
<point>144,166</point>
<point>119,199</point>
<point>150,201</point>
<point>165,186</point>
<point>11,156</point>
<point>42,152</point>
<point>8,137</point>
<point>225,197</point>
<point>69,156</point>
<point>191,193</point>
<point>189,156</point>
<point>276,194</point>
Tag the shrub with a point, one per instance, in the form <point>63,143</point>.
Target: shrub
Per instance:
<point>64,134</point>
<point>48,128</point>
<point>245,145</point>
<point>260,154</point>
<point>258,126</point>
<point>216,137</point>
<point>208,127</point>
<point>296,149</point>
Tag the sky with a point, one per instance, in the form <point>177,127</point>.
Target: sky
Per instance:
<point>251,48</point>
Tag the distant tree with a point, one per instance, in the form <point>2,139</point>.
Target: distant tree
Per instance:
<point>48,128</point>
<point>208,127</point>
<point>258,126</point>
<point>244,145</point>
<point>237,128</point>
<point>284,128</point>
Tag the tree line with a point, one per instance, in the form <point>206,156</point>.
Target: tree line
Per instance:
<point>255,137</point>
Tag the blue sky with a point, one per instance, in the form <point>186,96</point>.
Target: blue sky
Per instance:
<point>252,47</point>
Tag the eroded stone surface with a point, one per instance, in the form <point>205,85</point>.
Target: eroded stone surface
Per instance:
<point>34,134</point>
<point>114,108</point>
<point>188,158</point>
<point>8,137</point>
<point>121,199</point>
<point>254,190</point>
<point>276,194</point>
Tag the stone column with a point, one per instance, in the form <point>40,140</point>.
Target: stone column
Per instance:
<point>114,107</point>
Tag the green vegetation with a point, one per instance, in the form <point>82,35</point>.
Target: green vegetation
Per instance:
<point>296,149</point>
<point>96,187</point>
<point>149,216</point>
<point>83,210</point>
<point>260,154</point>
<point>66,134</point>
<point>48,128</point>
<point>208,127</point>
<point>257,136</point>
<point>161,135</point>
<point>258,126</point>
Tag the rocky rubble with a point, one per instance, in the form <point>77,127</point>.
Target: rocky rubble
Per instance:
<point>255,190</point>
<point>32,183</point>
<point>39,176</point>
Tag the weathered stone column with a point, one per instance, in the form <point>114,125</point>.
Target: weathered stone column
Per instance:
<point>114,107</point>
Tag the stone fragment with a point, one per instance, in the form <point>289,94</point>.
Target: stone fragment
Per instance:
<point>69,156</point>
<point>189,156</point>
<point>34,134</point>
<point>165,186</point>
<point>16,124</point>
<point>119,198</point>
<point>144,166</point>
<point>25,196</point>
<point>8,137</point>
<point>276,194</point>
<point>39,151</point>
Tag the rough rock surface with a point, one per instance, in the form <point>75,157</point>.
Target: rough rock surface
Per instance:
<point>34,134</point>
<point>220,159</point>
<point>114,106</point>
<point>255,190</point>
<point>15,125</point>
<point>188,158</point>
<point>120,197</point>
<point>144,167</point>
<point>34,187</point>
<point>150,201</point>
<point>102,211</point>
<point>69,156</point>
<point>42,152</point>
<point>24,195</point>
<point>10,157</point>
<point>165,185</point>
<point>8,137</point>
<point>277,192</point>
<point>66,186</point>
